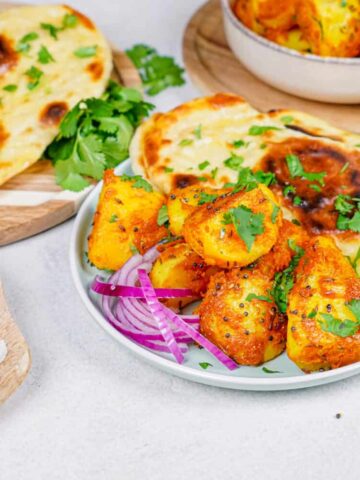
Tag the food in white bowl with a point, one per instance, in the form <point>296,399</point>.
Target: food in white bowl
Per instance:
<point>322,78</point>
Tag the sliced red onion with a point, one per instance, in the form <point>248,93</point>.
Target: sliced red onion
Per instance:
<point>112,290</point>
<point>159,315</point>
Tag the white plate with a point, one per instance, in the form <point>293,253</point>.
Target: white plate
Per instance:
<point>244,378</point>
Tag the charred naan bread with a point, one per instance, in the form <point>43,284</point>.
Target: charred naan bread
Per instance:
<point>212,141</point>
<point>50,58</point>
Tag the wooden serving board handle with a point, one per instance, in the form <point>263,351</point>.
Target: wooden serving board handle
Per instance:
<point>15,359</point>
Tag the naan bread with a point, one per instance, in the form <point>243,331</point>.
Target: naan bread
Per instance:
<point>192,144</point>
<point>30,114</point>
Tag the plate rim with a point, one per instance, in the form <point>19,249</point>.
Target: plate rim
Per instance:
<point>205,377</point>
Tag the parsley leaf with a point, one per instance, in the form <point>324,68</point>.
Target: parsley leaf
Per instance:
<point>86,52</point>
<point>207,198</point>
<point>343,205</point>
<point>205,365</point>
<point>44,56</point>
<point>247,224</point>
<point>157,72</point>
<point>297,170</point>
<point>333,325</point>
<point>163,216</point>
<point>96,135</point>
<point>256,130</point>
<point>203,165</point>
<point>263,298</point>
<point>284,281</point>
<point>234,162</point>
<point>10,88</point>
<point>34,75</point>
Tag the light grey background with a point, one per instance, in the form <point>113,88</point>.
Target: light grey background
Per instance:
<point>90,410</point>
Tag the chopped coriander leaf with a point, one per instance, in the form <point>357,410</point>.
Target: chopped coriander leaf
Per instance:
<point>51,29</point>
<point>315,187</point>
<point>202,179</point>
<point>355,260</point>
<point>312,314</point>
<point>205,365</point>
<point>344,167</point>
<point>239,144</point>
<point>297,170</point>
<point>267,370</point>
<point>287,119</point>
<point>289,189</point>
<point>247,223</point>
<point>296,222</point>
<point>343,3</point>
<point>207,198</point>
<point>163,216</point>
<point>95,135</point>
<point>297,200</point>
<point>185,142</point>
<point>341,328</point>
<point>34,75</point>
<point>168,170</point>
<point>263,146</point>
<point>204,165</point>
<point>253,296</point>
<point>234,162</point>
<point>267,178</point>
<point>10,88</point>
<point>214,172</point>
<point>86,52</point>
<point>69,21</point>
<point>343,205</point>
<point>354,306</point>
<point>345,223</point>
<point>256,130</point>
<point>44,56</point>
<point>134,250</point>
<point>142,183</point>
<point>197,132</point>
<point>275,213</point>
<point>24,43</point>
<point>284,281</point>
<point>157,72</point>
<point>114,218</point>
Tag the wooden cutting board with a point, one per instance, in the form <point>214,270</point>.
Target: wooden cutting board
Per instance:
<point>15,360</point>
<point>213,68</point>
<point>31,202</point>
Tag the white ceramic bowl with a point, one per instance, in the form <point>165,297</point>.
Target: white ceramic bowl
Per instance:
<point>325,79</point>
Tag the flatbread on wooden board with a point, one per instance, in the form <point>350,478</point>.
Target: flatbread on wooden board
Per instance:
<point>30,116</point>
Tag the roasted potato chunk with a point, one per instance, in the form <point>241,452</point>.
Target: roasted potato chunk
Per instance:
<point>235,230</point>
<point>239,317</point>
<point>294,39</point>
<point>281,254</point>
<point>264,15</point>
<point>183,201</point>
<point>324,309</point>
<point>180,267</point>
<point>125,218</point>
<point>332,28</point>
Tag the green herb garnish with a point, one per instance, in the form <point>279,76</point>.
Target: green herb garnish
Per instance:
<point>204,165</point>
<point>185,142</point>
<point>163,216</point>
<point>197,132</point>
<point>95,135</point>
<point>207,198</point>
<point>34,75</point>
<point>214,172</point>
<point>44,56</point>
<point>157,72</point>
<point>69,21</point>
<point>263,298</point>
<point>205,365</point>
<point>297,170</point>
<point>247,223</point>
<point>114,218</point>
<point>168,170</point>
<point>234,162</point>
<point>10,88</point>
<point>86,52</point>
<point>267,370</point>
<point>23,45</point>
<point>275,213</point>
<point>256,130</point>
<point>287,119</point>
<point>51,29</point>
<point>239,144</point>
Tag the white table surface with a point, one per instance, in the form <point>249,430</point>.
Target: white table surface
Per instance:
<point>90,410</point>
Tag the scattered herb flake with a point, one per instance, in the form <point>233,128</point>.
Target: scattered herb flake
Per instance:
<point>312,314</point>
<point>34,75</point>
<point>253,296</point>
<point>297,170</point>
<point>44,56</point>
<point>267,370</point>
<point>69,21</point>
<point>205,365</point>
<point>51,29</point>
<point>197,132</point>
<point>275,213</point>
<point>239,144</point>
<point>163,216</point>
<point>114,218</point>
<point>234,162</point>
<point>207,198</point>
<point>289,189</point>
<point>23,45</point>
<point>297,200</point>
<point>345,328</point>
<point>185,142</point>
<point>287,119</point>
<point>10,88</point>
<point>86,52</point>
<point>214,172</point>
<point>256,130</point>
<point>247,223</point>
<point>204,165</point>
<point>168,170</point>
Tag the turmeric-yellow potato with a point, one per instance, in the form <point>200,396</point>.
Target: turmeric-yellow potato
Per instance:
<point>324,309</point>
<point>125,221</point>
<point>235,230</point>
<point>240,317</point>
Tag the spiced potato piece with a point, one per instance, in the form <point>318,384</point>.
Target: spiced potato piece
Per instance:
<point>235,230</point>
<point>180,267</point>
<point>125,220</point>
<point>184,201</point>
<point>239,317</point>
<point>279,257</point>
<point>332,28</point>
<point>324,309</point>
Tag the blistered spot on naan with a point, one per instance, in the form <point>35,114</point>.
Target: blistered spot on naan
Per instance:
<point>4,135</point>
<point>52,113</point>
<point>8,55</point>
<point>95,69</point>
